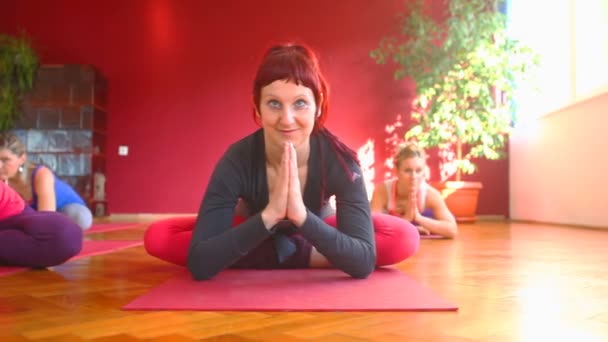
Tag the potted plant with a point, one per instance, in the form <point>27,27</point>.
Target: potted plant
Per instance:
<point>18,66</point>
<point>465,67</point>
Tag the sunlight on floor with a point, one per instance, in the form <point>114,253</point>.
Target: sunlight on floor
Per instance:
<point>548,304</point>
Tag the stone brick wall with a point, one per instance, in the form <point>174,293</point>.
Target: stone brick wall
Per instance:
<point>64,125</point>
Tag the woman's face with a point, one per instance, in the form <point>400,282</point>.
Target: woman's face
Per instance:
<point>287,112</point>
<point>411,172</point>
<point>9,163</point>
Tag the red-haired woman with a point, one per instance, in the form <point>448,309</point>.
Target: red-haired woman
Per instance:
<point>281,177</point>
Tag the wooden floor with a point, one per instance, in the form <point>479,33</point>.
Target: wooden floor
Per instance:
<point>512,282</point>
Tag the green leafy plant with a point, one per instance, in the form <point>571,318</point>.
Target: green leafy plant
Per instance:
<point>465,67</point>
<point>18,66</point>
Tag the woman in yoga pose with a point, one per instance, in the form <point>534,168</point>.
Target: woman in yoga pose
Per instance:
<point>410,197</point>
<point>266,204</point>
<point>38,185</point>
<point>34,239</point>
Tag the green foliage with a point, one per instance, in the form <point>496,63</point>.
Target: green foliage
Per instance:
<point>18,65</point>
<point>465,68</point>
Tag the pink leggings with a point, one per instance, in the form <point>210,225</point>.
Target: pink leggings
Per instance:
<point>396,239</point>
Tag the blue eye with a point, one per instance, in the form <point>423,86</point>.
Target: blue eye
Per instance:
<point>274,104</point>
<point>301,104</point>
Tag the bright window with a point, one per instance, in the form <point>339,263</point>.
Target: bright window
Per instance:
<point>591,46</point>
<point>571,38</point>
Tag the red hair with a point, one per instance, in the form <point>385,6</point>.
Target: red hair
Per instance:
<point>299,64</point>
<point>293,63</point>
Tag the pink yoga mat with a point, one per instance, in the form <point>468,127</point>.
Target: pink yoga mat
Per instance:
<point>293,290</point>
<point>89,248</point>
<point>108,227</point>
<point>8,270</point>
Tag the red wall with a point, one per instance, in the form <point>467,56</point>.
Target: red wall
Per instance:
<point>180,75</point>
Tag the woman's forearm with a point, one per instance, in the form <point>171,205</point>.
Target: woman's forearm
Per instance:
<point>447,229</point>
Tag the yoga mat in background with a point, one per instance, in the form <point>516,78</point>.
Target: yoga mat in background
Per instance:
<point>8,270</point>
<point>108,227</point>
<point>89,248</point>
<point>292,290</point>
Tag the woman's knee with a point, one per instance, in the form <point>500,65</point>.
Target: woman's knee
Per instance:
<point>65,240</point>
<point>169,239</point>
<point>396,239</point>
<point>84,219</point>
<point>156,237</point>
<point>80,214</point>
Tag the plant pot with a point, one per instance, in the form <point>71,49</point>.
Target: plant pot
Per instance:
<point>461,198</point>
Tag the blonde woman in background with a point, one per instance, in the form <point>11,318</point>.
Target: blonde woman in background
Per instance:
<point>410,197</point>
<point>38,185</point>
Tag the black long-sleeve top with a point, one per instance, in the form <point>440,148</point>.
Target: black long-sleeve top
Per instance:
<point>241,174</point>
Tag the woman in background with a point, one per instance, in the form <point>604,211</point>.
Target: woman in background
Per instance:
<point>34,239</point>
<point>411,198</point>
<point>38,185</point>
